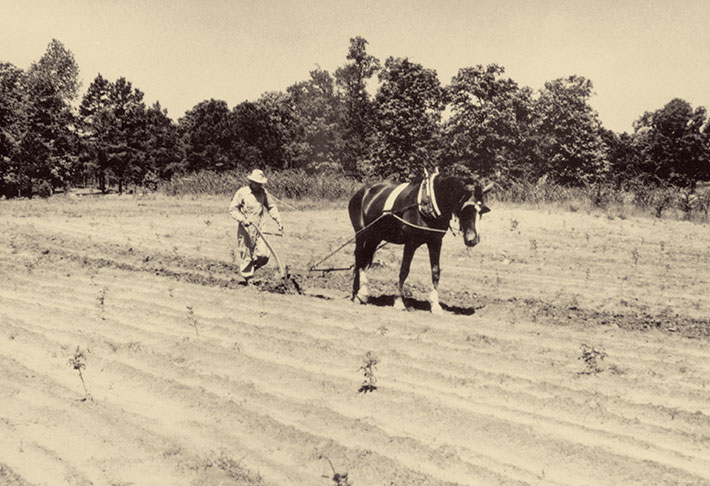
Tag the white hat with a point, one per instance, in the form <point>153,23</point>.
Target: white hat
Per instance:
<point>257,175</point>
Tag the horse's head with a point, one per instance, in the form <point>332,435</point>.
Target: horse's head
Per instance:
<point>471,208</point>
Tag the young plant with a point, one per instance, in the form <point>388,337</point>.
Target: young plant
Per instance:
<point>78,362</point>
<point>101,300</point>
<point>192,320</point>
<point>338,478</point>
<point>592,357</point>
<point>368,368</point>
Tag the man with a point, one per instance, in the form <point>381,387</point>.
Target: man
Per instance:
<point>247,208</point>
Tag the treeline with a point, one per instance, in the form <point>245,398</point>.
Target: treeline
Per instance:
<point>481,124</point>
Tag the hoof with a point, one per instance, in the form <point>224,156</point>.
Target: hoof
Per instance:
<point>436,309</point>
<point>360,299</point>
<point>399,304</point>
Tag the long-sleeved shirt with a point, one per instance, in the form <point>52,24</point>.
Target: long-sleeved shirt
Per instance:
<point>248,206</point>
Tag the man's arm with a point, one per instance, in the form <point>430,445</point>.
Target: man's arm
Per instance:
<point>235,208</point>
<point>273,211</point>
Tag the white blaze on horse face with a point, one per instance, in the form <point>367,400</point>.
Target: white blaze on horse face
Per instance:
<point>478,225</point>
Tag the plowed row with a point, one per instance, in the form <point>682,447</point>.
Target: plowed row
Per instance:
<point>196,379</point>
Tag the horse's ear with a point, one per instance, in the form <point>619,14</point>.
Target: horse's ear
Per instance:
<point>489,187</point>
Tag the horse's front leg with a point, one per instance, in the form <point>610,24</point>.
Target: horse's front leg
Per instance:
<point>409,249</point>
<point>434,247</point>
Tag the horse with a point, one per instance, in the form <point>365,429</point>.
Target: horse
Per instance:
<point>412,214</point>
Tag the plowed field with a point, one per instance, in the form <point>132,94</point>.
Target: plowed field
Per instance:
<point>575,349</point>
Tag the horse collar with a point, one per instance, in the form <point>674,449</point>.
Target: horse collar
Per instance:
<point>426,198</point>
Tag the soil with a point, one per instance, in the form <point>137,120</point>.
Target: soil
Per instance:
<point>574,349</point>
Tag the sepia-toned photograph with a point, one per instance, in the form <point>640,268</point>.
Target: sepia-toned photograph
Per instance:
<point>376,243</point>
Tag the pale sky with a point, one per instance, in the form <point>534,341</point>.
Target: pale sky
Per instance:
<point>638,54</point>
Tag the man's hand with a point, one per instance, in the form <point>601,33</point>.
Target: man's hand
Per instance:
<point>246,224</point>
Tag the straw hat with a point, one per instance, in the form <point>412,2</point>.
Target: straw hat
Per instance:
<point>257,175</point>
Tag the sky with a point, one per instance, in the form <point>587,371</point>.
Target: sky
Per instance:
<point>638,54</point>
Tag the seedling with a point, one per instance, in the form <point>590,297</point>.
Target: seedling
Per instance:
<point>192,320</point>
<point>368,368</point>
<point>101,300</point>
<point>338,478</point>
<point>635,255</point>
<point>592,357</point>
<point>78,362</point>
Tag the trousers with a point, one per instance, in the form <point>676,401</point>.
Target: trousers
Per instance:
<point>253,253</point>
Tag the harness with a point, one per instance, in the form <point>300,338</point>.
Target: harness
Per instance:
<point>426,199</point>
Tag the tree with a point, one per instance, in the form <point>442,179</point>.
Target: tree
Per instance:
<point>96,119</point>
<point>409,104</point>
<point>571,150</point>
<point>358,123</point>
<point>49,148</point>
<point>163,146</point>
<point>14,106</point>
<point>207,134</point>
<point>317,115</point>
<point>128,137</point>
<point>675,143</point>
<point>491,123</point>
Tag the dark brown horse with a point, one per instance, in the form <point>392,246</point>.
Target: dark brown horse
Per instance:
<point>412,214</point>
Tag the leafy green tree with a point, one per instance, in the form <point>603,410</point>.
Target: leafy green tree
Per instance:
<point>207,133</point>
<point>625,159</point>
<point>127,132</point>
<point>96,119</point>
<point>14,105</point>
<point>571,150</point>
<point>359,117</point>
<point>317,114</point>
<point>163,146</point>
<point>491,123</point>
<point>675,143</point>
<point>409,104</point>
<point>49,148</point>
<point>267,133</point>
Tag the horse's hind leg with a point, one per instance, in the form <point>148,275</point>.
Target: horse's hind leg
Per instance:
<point>409,250</point>
<point>364,251</point>
<point>359,292</point>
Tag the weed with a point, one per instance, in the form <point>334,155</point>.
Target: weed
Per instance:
<point>513,225</point>
<point>382,329</point>
<point>533,244</point>
<point>592,357</point>
<point>368,367</point>
<point>635,256</point>
<point>78,362</point>
<point>192,320</point>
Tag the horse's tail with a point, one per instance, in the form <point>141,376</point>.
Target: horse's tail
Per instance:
<point>357,218</point>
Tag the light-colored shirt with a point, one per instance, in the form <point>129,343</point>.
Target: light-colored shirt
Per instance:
<point>249,207</point>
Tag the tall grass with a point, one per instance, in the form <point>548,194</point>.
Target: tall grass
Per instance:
<point>660,202</point>
<point>633,199</point>
<point>292,184</point>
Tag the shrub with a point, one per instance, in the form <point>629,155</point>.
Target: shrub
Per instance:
<point>42,189</point>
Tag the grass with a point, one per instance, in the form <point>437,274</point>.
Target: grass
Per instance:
<point>675,203</point>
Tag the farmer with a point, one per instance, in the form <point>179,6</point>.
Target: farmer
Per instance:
<point>248,209</point>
